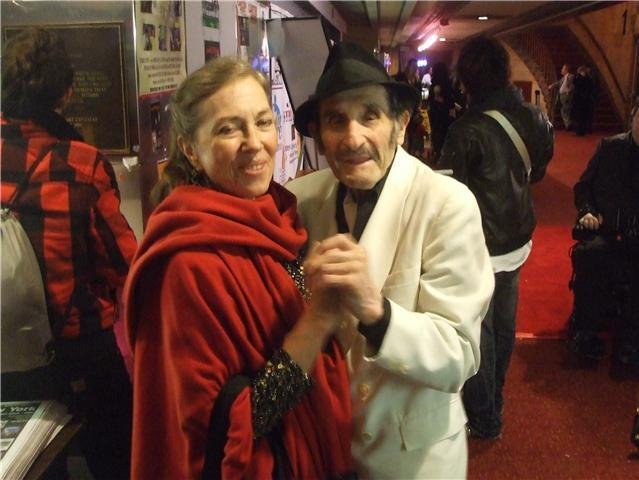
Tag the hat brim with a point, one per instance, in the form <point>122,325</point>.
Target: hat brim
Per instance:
<point>306,113</point>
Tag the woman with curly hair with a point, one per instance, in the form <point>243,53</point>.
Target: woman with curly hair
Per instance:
<point>70,210</point>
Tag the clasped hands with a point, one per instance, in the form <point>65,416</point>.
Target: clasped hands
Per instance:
<point>337,274</point>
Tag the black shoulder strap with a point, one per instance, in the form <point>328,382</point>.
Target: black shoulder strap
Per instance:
<point>22,185</point>
<point>219,426</point>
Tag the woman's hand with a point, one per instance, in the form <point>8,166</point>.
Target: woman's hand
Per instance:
<point>340,266</point>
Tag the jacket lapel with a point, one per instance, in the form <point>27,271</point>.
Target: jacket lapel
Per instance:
<point>323,224</point>
<point>381,234</point>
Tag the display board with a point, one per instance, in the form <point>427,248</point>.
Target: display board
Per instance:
<point>98,99</point>
<point>289,141</point>
<point>301,48</point>
<point>252,44</point>
<point>211,28</point>
<point>161,55</point>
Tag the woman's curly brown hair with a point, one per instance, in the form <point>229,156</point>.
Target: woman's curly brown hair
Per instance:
<point>36,73</point>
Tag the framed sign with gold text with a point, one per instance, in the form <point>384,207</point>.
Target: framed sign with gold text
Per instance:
<point>98,107</point>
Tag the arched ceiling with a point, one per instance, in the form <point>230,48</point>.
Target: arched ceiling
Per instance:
<point>411,22</point>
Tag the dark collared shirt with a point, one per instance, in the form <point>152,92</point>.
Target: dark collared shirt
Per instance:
<point>366,202</point>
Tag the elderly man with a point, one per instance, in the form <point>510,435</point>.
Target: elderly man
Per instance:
<point>404,250</point>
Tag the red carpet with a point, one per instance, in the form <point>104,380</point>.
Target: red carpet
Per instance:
<point>545,300</point>
<point>563,419</point>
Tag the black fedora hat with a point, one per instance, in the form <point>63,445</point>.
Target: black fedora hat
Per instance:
<point>350,66</point>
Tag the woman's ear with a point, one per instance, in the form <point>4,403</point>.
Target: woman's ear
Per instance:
<point>189,152</point>
<point>64,101</point>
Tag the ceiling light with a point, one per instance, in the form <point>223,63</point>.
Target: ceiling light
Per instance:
<point>483,17</point>
<point>442,39</point>
<point>429,41</point>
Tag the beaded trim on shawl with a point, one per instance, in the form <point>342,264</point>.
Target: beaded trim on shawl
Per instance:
<point>295,270</point>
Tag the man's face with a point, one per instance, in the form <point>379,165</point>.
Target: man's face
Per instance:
<point>357,135</point>
<point>564,70</point>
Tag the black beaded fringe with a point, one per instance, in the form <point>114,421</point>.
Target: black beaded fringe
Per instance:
<point>274,390</point>
<point>296,271</point>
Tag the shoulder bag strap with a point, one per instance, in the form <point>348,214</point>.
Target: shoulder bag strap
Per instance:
<point>21,187</point>
<point>514,136</point>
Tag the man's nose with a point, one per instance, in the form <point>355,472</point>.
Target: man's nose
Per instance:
<point>354,135</point>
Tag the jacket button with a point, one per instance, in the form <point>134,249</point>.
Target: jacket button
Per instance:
<point>364,389</point>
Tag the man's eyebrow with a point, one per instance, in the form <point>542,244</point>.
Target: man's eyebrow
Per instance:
<point>373,105</point>
<point>330,111</point>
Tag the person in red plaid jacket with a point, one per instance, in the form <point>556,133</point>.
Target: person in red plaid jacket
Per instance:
<point>84,245</point>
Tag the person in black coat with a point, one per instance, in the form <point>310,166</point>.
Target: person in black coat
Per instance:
<point>605,260</point>
<point>582,98</point>
<point>483,156</point>
<point>441,107</point>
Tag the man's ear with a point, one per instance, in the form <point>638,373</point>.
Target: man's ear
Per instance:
<point>402,123</point>
<point>189,152</point>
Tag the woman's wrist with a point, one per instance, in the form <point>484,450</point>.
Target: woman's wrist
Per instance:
<point>275,389</point>
<point>305,341</point>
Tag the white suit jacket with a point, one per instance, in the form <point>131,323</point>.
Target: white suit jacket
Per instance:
<point>428,257</point>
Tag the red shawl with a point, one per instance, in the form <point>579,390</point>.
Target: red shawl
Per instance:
<point>207,298</point>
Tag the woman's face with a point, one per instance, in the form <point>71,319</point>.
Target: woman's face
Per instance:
<point>236,140</point>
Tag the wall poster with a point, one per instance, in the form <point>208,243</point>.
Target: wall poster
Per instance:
<point>211,28</point>
<point>161,52</point>
<point>98,107</point>
<point>289,141</point>
<point>252,44</point>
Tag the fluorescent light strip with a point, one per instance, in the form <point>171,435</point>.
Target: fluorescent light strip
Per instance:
<point>429,41</point>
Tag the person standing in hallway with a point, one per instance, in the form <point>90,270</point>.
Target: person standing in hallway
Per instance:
<point>414,142</point>
<point>70,211</point>
<point>403,251</point>
<point>582,101</point>
<point>485,157</point>
<point>565,86</point>
<point>441,107</point>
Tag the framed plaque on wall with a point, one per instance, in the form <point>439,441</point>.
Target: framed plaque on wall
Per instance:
<point>98,107</point>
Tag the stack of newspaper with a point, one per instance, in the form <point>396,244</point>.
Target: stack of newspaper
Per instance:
<point>26,429</point>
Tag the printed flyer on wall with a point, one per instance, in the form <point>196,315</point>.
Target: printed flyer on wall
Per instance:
<point>287,158</point>
<point>211,28</point>
<point>161,56</point>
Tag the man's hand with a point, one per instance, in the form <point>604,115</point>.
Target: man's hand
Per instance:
<point>341,265</point>
<point>590,221</point>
